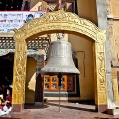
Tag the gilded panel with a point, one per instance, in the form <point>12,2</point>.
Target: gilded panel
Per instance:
<point>113,38</point>
<point>101,74</point>
<point>113,8</point>
<point>19,73</point>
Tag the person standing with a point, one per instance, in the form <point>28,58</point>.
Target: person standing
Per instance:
<point>6,84</point>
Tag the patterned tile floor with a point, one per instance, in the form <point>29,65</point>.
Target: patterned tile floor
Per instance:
<point>68,111</point>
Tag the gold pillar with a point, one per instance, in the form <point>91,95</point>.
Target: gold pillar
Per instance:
<point>115,87</point>
<point>19,76</point>
<point>100,74</point>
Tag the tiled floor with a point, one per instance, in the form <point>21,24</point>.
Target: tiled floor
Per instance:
<point>52,111</point>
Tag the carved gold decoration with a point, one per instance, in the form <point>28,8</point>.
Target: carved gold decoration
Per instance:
<point>65,22</point>
<point>115,88</point>
<point>101,84</point>
<point>19,72</point>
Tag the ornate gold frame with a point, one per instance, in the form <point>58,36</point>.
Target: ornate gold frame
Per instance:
<point>52,22</point>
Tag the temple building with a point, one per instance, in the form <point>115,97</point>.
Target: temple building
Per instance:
<point>91,26</point>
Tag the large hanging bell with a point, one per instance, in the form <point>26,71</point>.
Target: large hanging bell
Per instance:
<point>60,59</point>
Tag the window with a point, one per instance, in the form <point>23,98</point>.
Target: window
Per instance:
<point>51,83</point>
<point>70,83</point>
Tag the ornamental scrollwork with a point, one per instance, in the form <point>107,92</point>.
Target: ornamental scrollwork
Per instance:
<point>58,20</point>
<point>101,73</point>
<point>19,72</point>
<point>101,36</point>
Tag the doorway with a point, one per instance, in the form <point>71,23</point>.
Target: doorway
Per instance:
<point>6,77</point>
<point>6,67</point>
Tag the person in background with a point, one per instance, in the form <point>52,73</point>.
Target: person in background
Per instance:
<point>8,101</point>
<point>9,97</point>
<point>2,102</point>
<point>6,84</point>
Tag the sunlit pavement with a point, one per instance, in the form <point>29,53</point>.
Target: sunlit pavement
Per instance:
<point>64,111</point>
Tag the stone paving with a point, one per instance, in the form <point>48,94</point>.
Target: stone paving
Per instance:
<point>52,111</point>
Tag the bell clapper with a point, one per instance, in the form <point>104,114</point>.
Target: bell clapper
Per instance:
<point>59,84</point>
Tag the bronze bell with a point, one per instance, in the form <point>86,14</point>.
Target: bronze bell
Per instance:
<point>60,59</point>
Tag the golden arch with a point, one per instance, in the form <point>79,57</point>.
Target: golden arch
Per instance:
<point>53,22</point>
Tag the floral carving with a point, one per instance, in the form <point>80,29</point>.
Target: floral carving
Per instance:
<point>101,36</point>
<point>59,20</point>
<point>19,72</point>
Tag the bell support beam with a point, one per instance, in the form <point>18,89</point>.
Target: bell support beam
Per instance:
<point>39,92</point>
<point>19,76</point>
